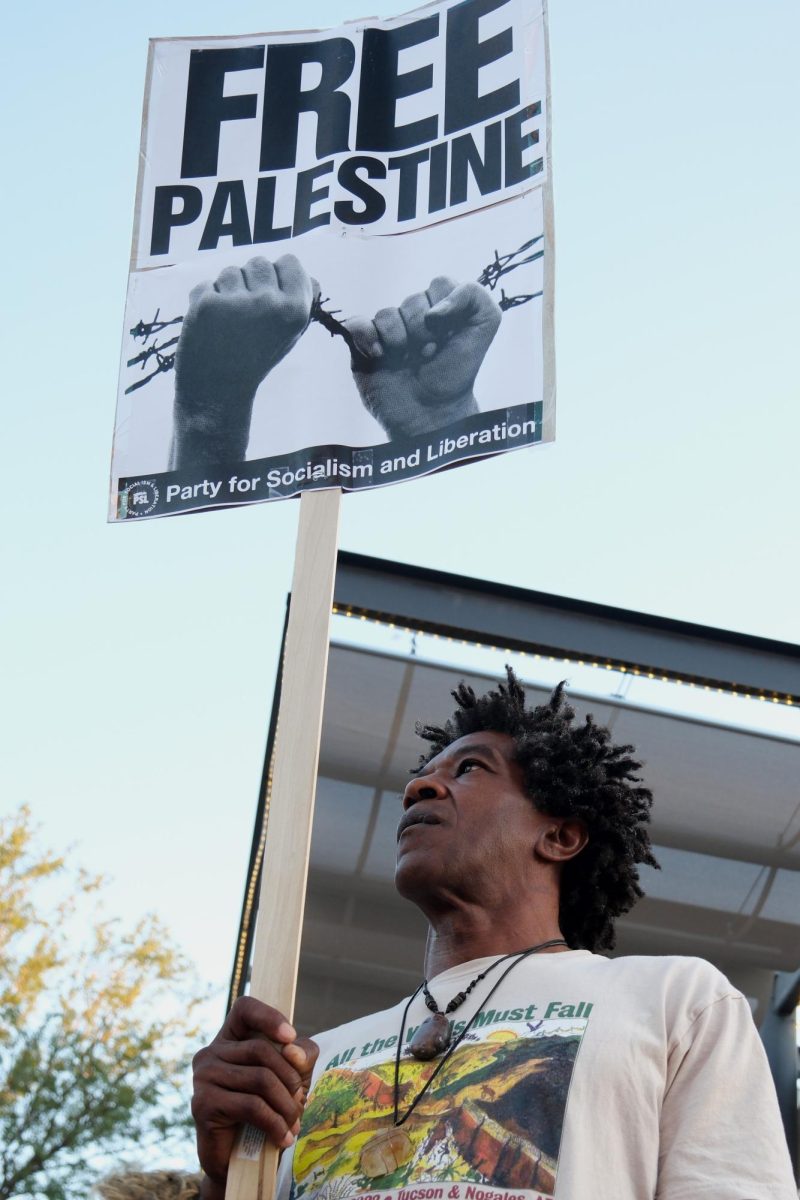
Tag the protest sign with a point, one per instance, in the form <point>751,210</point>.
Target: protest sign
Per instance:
<point>341,277</point>
<point>342,263</point>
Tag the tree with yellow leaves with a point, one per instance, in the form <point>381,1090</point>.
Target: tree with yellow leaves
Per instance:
<point>95,1026</point>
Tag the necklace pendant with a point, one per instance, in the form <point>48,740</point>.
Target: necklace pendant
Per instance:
<point>385,1152</point>
<point>432,1038</point>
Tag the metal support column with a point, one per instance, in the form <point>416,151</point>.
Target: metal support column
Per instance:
<point>779,1035</point>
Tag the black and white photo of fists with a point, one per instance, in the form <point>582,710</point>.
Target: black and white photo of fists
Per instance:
<point>235,331</point>
<point>416,365</point>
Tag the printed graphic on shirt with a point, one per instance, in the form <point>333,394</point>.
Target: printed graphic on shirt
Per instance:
<point>488,1128</point>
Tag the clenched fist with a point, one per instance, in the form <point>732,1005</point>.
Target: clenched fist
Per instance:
<point>416,366</point>
<point>235,331</point>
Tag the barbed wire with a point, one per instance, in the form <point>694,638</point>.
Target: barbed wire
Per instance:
<point>328,318</point>
<point>146,329</point>
<point>503,264</point>
<point>506,302</point>
<point>489,278</point>
<point>164,362</point>
<point>142,332</point>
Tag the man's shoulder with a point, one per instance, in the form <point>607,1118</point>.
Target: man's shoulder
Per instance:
<point>678,966</point>
<point>679,986</point>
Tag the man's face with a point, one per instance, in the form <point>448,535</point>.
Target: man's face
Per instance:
<point>468,830</point>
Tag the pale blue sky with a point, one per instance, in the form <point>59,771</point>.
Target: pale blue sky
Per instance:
<point>140,659</point>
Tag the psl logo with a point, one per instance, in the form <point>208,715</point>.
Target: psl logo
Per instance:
<point>138,499</point>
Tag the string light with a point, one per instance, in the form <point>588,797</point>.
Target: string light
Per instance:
<point>250,895</point>
<point>622,668</point>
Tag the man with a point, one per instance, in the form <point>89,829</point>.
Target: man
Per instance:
<point>528,1064</point>
<point>414,366</point>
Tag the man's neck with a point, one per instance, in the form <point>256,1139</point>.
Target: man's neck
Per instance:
<point>460,937</point>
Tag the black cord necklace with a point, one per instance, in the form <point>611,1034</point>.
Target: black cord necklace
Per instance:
<point>433,1036</point>
<point>388,1150</point>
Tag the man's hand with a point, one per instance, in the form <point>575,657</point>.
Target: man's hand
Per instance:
<point>234,332</point>
<point>417,363</point>
<point>256,1071</point>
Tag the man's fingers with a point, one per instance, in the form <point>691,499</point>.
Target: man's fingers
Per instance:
<point>259,273</point>
<point>255,1081</point>
<point>257,1053</point>
<point>392,330</point>
<point>197,293</point>
<point>413,310</point>
<point>365,336</point>
<point>230,280</point>
<point>248,1016</point>
<point>469,302</point>
<point>302,1054</point>
<point>310,1049</point>
<point>216,1108</point>
<point>293,280</point>
<point>440,287</point>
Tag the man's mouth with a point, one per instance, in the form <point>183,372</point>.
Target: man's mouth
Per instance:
<point>413,818</point>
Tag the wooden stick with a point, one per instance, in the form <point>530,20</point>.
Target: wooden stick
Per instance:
<point>251,1175</point>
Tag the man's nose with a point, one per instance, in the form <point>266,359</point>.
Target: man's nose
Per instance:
<point>428,787</point>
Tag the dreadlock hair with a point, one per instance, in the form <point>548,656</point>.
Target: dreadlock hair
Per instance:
<point>570,770</point>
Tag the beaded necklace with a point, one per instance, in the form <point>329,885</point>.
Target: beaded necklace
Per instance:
<point>388,1150</point>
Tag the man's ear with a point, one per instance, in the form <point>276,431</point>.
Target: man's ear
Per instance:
<point>561,839</point>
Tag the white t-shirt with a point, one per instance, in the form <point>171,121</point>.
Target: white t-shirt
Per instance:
<point>582,1077</point>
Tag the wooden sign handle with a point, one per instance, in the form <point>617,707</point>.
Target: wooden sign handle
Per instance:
<point>276,949</point>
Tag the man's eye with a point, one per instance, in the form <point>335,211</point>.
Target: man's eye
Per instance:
<point>468,764</point>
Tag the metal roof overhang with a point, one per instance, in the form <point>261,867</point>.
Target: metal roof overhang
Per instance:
<point>726,821</point>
